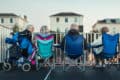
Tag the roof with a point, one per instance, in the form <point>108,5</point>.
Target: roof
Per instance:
<point>8,14</point>
<point>66,14</point>
<point>111,20</point>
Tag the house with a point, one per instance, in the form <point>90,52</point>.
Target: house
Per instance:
<point>10,19</point>
<point>60,22</point>
<point>112,24</point>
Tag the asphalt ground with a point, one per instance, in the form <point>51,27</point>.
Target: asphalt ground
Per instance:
<point>73,73</point>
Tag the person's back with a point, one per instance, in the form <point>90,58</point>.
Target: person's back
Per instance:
<point>27,34</point>
<point>44,42</point>
<point>110,43</point>
<point>44,45</point>
<point>73,43</point>
<point>98,41</point>
<point>25,41</point>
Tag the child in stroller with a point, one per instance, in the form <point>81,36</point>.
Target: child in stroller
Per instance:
<point>20,51</point>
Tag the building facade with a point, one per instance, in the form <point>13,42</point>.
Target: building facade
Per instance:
<point>60,22</point>
<point>4,32</point>
<point>11,19</point>
<point>112,24</point>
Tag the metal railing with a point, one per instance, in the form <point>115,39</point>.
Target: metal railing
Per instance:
<point>90,37</point>
<point>59,55</point>
<point>4,32</point>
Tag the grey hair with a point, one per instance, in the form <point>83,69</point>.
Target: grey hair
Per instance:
<point>43,28</point>
<point>29,26</point>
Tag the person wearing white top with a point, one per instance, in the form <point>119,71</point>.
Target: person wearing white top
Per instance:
<point>98,50</point>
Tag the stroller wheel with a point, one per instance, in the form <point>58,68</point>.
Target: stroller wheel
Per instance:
<point>7,67</point>
<point>26,67</point>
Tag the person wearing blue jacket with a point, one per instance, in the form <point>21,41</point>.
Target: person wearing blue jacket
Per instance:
<point>74,34</point>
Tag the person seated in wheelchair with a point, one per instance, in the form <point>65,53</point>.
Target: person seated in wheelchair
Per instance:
<point>25,39</point>
<point>22,41</point>
<point>105,47</point>
<point>73,44</point>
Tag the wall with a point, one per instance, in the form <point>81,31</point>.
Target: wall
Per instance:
<point>61,25</point>
<point>16,20</point>
<point>113,28</point>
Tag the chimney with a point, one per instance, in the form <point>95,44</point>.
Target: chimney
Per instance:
<point>25,18</point>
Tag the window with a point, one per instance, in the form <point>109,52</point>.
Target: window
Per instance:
<point>75,19</point>
<point>11,20</point>
<point>113,21</point>
<point>66,20</point>
<point>57,19</point>
<point>2,20</point>
<point>80,28</point>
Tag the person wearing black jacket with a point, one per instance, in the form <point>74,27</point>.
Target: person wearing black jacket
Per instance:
<point>27,33</point>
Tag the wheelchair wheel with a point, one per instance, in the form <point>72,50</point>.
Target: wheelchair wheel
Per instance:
<point>7,67</point>
<point>26,67</point>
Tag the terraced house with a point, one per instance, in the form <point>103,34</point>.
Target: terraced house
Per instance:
<point>10,19</point>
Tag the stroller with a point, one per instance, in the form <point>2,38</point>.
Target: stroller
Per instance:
<point>110,49</point>
<point>17,53</point>
<point>44,49</point>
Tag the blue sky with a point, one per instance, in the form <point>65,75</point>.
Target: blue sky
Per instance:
<point>38,11</point>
